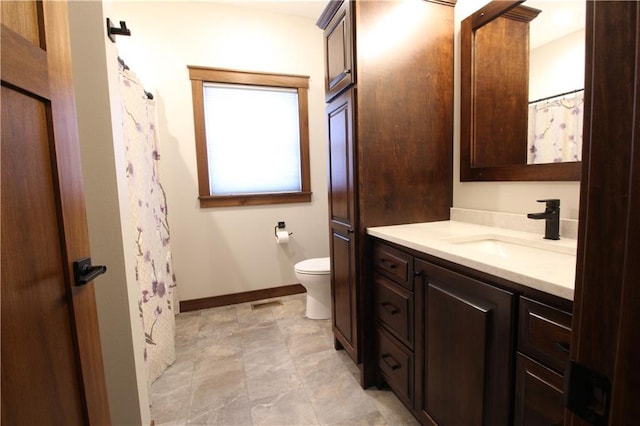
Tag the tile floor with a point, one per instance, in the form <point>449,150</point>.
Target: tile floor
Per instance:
<point>267,366</point>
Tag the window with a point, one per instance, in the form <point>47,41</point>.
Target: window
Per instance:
<point>252,137</point>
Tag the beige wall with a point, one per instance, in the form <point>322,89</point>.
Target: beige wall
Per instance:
<point>220,251</point>
<point>511,197</point>
<point>110,232</point>
<point>557,67</point>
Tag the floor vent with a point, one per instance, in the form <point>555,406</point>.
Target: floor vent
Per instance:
<point>269,304</point>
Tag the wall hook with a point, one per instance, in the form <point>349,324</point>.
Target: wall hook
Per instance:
<point>113,31</point>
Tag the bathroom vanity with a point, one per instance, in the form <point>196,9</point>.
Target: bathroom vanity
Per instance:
<point>469,327</point>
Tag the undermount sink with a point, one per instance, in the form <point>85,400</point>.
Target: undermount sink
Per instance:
<point>513,248</point>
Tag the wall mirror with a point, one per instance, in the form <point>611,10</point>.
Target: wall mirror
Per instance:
<point>522,91</point>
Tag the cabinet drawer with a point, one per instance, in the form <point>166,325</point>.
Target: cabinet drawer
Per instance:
<point>544,333</point>
<point>394,263</point>
<point>395,364</point>
<point>539,398</point>
<point>394,308</point>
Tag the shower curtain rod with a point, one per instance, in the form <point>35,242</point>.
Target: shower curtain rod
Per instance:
<point>555,96</point>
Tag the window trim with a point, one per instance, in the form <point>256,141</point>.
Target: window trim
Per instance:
<point>201,75</point>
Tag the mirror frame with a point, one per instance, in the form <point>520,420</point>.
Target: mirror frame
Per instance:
<point>569,171</point>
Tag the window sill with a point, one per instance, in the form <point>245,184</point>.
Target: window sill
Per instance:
<point>254,200</point>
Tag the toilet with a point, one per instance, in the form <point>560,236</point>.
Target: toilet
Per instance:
<point>314,276</point>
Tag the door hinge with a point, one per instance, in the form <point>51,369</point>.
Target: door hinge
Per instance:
<point>587,393</point>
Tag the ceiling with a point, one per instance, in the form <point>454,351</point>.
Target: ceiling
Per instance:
<point>305,8</point>
<point>556,19</point>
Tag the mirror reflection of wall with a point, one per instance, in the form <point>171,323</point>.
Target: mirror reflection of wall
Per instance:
<point>556,81</point>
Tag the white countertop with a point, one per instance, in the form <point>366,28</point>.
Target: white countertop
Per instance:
<point>551,270</point>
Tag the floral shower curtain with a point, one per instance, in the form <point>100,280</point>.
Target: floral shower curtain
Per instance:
<point>555,129</point>
<point>154,271</point>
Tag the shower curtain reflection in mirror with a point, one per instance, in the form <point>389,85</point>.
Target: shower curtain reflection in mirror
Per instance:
<point>555,129</point>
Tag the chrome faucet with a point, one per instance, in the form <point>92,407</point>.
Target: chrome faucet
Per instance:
<point>552,217</point>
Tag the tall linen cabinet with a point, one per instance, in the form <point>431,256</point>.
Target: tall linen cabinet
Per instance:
<point>389,93</point>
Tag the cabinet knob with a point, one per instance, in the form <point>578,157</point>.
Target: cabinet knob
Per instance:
<point>389,307</point>
<point>417,273</point>
<point>391,361</point>
<point>563,347</point>
<point>388,264</point>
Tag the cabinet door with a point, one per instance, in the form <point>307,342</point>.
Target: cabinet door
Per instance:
<point>341,222</point>
<point>539,398</point>
<point>467,349</point>
<point>341,161</point>
<point>338,39</point>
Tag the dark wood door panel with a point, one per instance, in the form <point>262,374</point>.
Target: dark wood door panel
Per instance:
<point>457,336</point>
<point>336,61</point>
<point>544,333</point>
<point>338,37</point>
<point>606,315</point>
<point>343,283</point>
<point>394,308</point>
<point>467,348</point>
<point>395,263</point>
<point>539,398</point>
<point>396,366</point>
<point>341,165</point>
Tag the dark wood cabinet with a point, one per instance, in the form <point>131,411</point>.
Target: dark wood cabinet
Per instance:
<point>539,397</point>
<point>395,364</point>
<point>466,349</point>
<point>453,332</point>
<point>544,333</point>
<point>395,320</point>
<point>394,309</point>
<point>341,221</point>
<point>461,347</point>
<point>338,47</point>
<point>390,125</point>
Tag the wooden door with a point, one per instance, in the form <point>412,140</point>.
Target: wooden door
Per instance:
<point>52,370</point>
<point>341,222</point>
<point>606,321</point>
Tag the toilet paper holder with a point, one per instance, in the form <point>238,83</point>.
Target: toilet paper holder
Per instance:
<point>280,225</point>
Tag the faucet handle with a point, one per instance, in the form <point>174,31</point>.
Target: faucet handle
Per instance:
<point>551,203</point>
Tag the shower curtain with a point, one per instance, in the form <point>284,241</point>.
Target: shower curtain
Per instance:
<point>154,271</point>
<point>555,129</point>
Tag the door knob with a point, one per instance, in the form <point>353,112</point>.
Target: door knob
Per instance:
<point>84,273</point>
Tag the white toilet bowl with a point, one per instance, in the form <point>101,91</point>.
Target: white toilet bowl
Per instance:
<point>314,276</point>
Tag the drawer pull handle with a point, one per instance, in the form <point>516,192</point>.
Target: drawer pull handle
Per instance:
<point>390,361</point>
<point>563,347</point>
<point>390,308</point>
<point>417,273</point>
<point>388,263</point>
